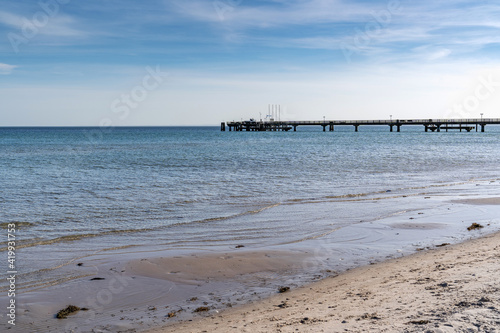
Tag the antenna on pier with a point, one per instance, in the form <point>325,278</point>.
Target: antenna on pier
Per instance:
<point>273,112</point>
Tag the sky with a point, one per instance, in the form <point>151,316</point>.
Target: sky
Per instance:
<point>201,62</point>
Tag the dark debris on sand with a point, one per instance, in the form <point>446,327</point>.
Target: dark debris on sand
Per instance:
<point>202,309</point>
<point>283,289</point>
<point>474,226</point>
<point>418,322</point>
<point>64,313</point>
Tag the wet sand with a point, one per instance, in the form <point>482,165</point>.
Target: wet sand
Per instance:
<point>134,291</point>
<point>441,288</point>
<point>197,268</point>
<point>447,289</point>
<point>481,201</point>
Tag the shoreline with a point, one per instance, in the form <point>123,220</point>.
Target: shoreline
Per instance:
<point>134,290</point>
<point>446,289</point>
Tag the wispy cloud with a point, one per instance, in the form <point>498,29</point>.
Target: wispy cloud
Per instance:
<point>272,13</point>
<point>10,20</point>
<point>6,69</point>
<point>431,53</point>
<point>60,25</point>
<point>445,26</point>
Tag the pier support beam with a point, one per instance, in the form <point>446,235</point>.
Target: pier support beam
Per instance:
<point>426,128</point>
<point>482,127</point>
<point>356,128</point>
<point>392,129</point>
<point>324,128</point>
<point>331,128</point>
<point>295,128</point>
<point>222,127</point>
<point>399,128</point>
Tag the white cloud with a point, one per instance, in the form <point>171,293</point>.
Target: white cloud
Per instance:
<point>6,69</point>
<point>438,54</point>
<point>297,12</point>
<point>455,27</point>
<point>10,19</point>
<point>59,25</point>
<point>431,53</point>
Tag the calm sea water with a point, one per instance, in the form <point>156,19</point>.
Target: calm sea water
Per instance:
<point>74,192</point>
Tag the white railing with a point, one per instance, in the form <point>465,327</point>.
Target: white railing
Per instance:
<point>374,122</point>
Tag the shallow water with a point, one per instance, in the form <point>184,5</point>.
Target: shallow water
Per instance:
<point>75,193</point>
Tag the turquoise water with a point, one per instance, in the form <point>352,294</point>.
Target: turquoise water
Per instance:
<point>73,192</point>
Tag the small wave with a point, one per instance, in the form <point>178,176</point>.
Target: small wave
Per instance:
<point>118,248</point>
<point>223,218</point>
<point>355,195</point>
<point>7,225</point>
<point>369,196</point>
<point>71,238</point>
<point>75,237</point>
<point>315,236</point>
<point>36,285</point>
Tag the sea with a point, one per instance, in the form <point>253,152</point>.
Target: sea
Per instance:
<point>74,192</point>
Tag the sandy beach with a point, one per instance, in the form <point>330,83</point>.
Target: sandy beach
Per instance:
<point>451,288</point>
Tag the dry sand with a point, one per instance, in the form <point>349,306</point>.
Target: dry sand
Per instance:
<point>447,289</point>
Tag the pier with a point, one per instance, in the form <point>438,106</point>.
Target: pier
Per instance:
<point>433,125</point>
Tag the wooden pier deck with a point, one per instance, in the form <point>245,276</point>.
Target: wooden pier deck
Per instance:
<point>434,125</point>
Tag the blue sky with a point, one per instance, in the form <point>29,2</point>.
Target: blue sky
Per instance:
<point>194,62</point>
